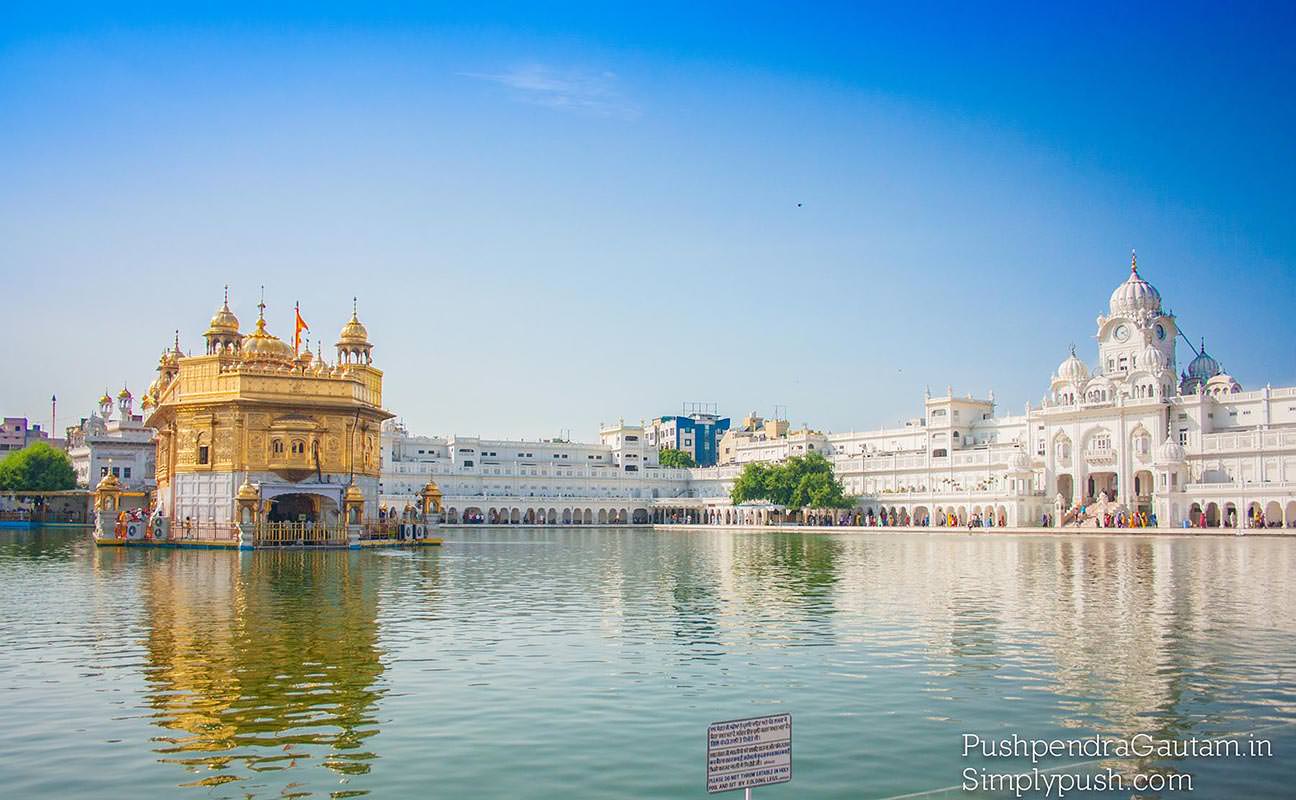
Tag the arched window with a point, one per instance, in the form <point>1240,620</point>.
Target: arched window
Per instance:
<point>298,447</point>
<point>276,447</point>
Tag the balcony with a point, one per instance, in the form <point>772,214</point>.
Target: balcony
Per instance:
<point>1100,458</point>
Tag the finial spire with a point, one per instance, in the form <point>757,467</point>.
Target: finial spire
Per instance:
<point>261,306</point>
<point>353,307</point>
<point>1073,349</point>
<point>177,340</point>
<point>227,297</point>
<point>1133,261</point>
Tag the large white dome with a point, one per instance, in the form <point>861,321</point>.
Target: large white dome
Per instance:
<point>1135,297</point>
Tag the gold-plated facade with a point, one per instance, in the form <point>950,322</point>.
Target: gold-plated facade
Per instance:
<point>252,410</point>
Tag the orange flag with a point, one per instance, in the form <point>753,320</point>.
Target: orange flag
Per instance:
<point>301,326</point>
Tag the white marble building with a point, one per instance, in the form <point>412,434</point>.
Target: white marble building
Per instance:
<point>1173,446</point>
<point>518,481</point>
<point>1180,447</point>
<point>122,446</point>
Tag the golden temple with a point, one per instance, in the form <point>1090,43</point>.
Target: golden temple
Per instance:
<point>266,443</point>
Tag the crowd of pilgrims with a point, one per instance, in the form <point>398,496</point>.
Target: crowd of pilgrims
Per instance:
<point>898,519</point>
<point>1120,519</point>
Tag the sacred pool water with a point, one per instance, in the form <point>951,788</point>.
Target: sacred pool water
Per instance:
<point>589,662</point>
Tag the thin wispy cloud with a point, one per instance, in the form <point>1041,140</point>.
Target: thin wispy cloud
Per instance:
<point>594,93</point>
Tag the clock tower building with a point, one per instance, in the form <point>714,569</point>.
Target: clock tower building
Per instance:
<point>1136,339</point>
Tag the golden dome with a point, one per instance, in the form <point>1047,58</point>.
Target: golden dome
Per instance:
<point>124,394</point>
<point>248,492</point>
<point>106,400</point>
<point>260,346</point>
<point>224,322</point>
<point>109,483</point>
<point>146,403</point>
<point>353,333</point>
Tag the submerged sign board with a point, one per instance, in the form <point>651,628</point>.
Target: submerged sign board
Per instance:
<point>743,753</point>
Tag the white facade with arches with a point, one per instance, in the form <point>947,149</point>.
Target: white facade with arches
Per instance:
<point>1178,447</point>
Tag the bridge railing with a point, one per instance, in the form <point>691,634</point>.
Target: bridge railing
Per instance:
<point>300,534</point>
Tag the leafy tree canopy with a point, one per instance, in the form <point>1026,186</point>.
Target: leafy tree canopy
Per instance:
<point>798,482</point>
<point>37,468</point>
<point>670,457</point>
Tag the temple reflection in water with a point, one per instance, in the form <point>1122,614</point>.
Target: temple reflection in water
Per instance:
<point>262,662</point>
<point>274,671</point>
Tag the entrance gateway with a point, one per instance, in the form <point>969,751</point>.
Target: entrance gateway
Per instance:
<point>745,753</point>
<point>320,503</point>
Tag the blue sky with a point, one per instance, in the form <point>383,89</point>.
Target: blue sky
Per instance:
<point>560,215</point>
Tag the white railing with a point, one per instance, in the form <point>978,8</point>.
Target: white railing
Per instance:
<point>1247,441</point>
<point>1003,494</point>
<point>1260,487</point>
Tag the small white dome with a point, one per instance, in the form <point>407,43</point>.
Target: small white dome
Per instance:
<point>1151,359</point>
<point>1019,461</point>
<point>1170,452</point>
<point>1135,297</point>
<point>1073,370</point>
<point>1222,384</point>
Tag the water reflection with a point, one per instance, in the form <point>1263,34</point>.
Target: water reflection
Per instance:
<point>262,662</point>
<point>1166,637</point>
<point>498,665</point>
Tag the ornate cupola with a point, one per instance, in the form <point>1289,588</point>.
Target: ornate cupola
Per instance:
<point>1151,359</point>
<point>1200,370</point>
<point>1135,299</point>
<point>1072,370</point>
<point>262,348</point>
<point>125,402</point>
<point>1222,385</point>
<point>223,332</point>
<point>353,345</point>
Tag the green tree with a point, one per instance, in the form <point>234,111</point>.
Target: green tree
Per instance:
<point>670,457</point>
<point>37,468</point>
<point>750,484</point>
<point>798,482</point>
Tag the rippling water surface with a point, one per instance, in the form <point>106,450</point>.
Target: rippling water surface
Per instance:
<point>588,662</point>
